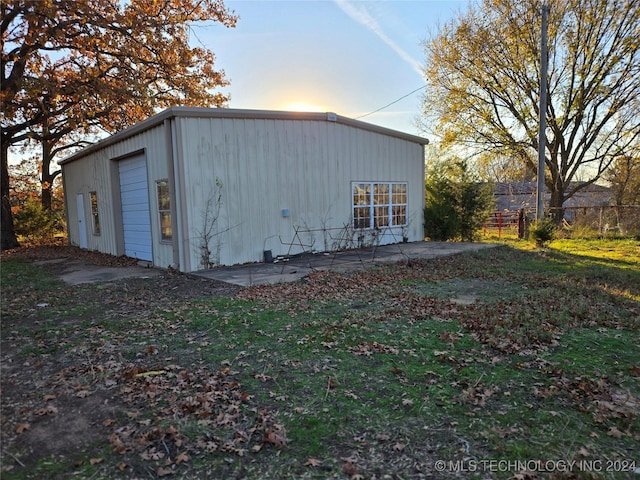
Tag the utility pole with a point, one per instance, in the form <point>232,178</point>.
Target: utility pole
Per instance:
<point>542,137</point>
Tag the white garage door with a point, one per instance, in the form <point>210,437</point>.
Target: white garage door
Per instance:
<point>134,197</point>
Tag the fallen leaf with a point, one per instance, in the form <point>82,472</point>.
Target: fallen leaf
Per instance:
<point>275,438</point>
<point>21,427</point>
<point>182,457</point>
<point>94,461</point>
<point>48,410</point>
<point>614,432</point>
<point>163,472</point>
<point>122,466</point>
<point>398,447</point>
<point>108,422</point>
<point>117,443</point>
<point>312,462</point>
<point>583,452</point>
<point>48,397</point>
<point>635,371</point>
<point>349,468</point>
<point>83,394</point>
<point>407,402</point>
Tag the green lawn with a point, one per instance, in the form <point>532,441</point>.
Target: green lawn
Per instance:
<point>507,362</point>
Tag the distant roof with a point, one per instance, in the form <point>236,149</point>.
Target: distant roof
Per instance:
<point>516,195</point>
<point>203,112</point>
<point>529,188</point>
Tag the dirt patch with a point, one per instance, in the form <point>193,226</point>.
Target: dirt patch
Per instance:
<point>55,402</point>
<point>77,422</point>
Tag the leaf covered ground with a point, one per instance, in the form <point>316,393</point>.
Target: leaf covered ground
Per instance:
<point>441,368</point>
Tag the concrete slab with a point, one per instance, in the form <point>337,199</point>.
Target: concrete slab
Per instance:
<point>300,266</point>
<point>77,272</point>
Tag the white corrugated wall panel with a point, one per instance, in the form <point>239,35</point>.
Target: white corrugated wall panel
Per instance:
<point>266,166</point>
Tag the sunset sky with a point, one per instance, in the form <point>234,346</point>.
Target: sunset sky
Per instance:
<point>344,56</point>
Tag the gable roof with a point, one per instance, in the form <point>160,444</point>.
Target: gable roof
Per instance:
<point>203,112</point>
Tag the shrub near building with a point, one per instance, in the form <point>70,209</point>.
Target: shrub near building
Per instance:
<point>457,202</point>
<point>35,224</point>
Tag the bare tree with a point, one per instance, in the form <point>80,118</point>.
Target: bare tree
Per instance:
<point>483,81</point>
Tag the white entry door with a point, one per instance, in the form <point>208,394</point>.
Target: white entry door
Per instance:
<point>136,219</point>
<point>82,221</point>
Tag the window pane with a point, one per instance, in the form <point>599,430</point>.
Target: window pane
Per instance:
<point>381,216</point>
<point>164,209</point>
<point>399,193</point>
<point>361,193</point>
<point>94,213</point>
<point>399,215</point>
<point>381,193</point>
<point>361,217</point>
<point>164,201</point>
<point>165,225</point>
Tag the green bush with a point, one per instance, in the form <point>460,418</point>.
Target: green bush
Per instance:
<point>543,231</point>
<point>34,223</point>
<point>457,203</point>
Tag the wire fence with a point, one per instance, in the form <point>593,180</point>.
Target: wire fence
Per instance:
<point>586,221</point>
<point>623,220</point>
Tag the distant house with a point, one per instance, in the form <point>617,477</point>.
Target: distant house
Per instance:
<point>194,187</point>
<point>522,195</point>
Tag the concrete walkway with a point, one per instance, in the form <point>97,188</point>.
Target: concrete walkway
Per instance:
<point>300,266</point>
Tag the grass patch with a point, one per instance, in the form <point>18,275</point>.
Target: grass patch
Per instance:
<point>505,354</point>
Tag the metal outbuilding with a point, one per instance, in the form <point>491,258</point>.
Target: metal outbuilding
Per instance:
<point>191,188</point>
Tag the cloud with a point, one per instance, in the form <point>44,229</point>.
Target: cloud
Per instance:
<point>360,14</point>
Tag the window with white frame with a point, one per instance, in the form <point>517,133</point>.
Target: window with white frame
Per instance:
<point>94,212</point>
<point>164,210</point>
<point>379,204</point>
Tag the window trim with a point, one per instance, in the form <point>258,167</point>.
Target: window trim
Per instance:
<point>164,183</point>
<point>371,200</point>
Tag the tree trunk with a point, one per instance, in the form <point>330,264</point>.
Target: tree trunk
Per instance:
<point>8,237</point>
<point>556,203</point>
<point>47,178</point>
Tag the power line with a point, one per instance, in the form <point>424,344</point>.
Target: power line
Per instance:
<point>388,105</point>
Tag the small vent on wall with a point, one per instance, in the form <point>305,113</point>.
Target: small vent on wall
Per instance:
<point>332,117</point>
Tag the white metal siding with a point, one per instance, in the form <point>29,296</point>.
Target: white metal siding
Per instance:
<point>265,164</point>
<point>94,173</point>
<point>134,196</point>
<point>307,167</point>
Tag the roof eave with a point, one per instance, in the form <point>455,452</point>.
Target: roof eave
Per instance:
<point>203,112</point>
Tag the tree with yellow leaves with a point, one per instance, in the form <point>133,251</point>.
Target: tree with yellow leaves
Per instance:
<point>483,76</point>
